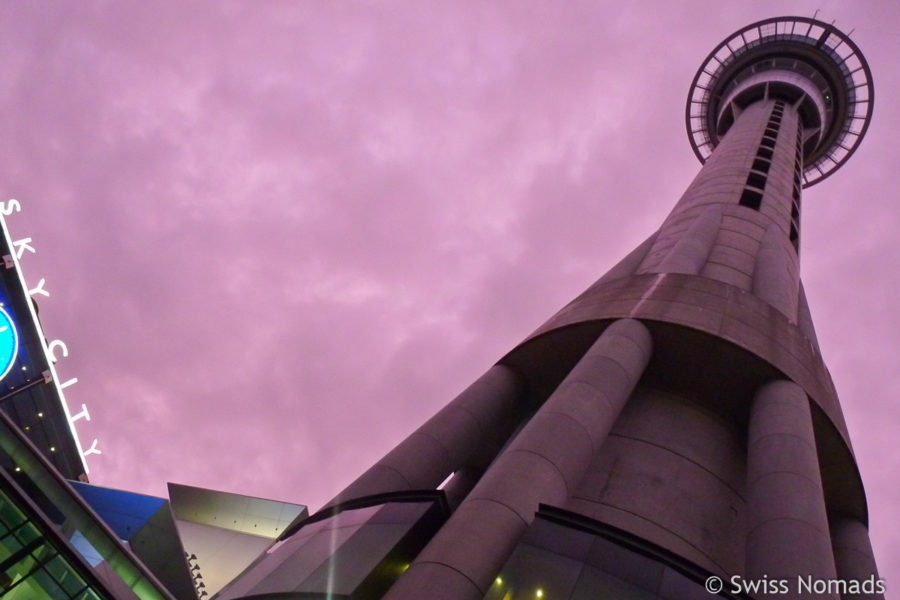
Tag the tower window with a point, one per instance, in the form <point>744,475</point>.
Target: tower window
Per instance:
<point>756,180</point>
<point>751,199</point>
<point>761,165</point>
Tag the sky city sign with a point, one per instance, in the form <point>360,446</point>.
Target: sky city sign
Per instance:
<point>31,392</point>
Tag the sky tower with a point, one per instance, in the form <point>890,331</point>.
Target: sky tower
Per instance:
<point>673,422</point>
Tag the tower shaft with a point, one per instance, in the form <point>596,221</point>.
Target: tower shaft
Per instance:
<point>710,233</point>
<point>673,465</point>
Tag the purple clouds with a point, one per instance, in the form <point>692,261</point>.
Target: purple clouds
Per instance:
<point>279,236</point>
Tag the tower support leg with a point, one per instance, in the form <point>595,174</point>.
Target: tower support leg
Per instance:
<point>444,443</point>
<point>854,559</point>
<point>787,526</point>
<point>544,464</point>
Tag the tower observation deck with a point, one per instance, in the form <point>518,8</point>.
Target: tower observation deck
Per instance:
<point>672,423</point>
<point>810,65</point>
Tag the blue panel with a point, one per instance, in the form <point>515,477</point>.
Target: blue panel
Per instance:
<point>125,512</point>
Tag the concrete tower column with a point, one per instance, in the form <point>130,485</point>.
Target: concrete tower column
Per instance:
<point>691,251</point>
<point>738,221</point>
<point>773,279</point>
<point>543,464</point>
<point>804,318</point>
<point>787,526</point>
<point>443,444</point>
<point>718,185</point>
<point>627,266</point>
<point>853,557</point>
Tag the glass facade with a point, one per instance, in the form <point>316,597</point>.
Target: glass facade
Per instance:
<point>357,553</point>
<point>31,566</point>
<point>54,545</point>
<point>564,556</point>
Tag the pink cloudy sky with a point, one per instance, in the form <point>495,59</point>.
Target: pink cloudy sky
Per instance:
<point>280,235</point>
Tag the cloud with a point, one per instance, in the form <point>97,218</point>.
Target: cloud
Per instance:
<point>278,239</point>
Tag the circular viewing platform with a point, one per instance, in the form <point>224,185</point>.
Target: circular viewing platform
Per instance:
<point>806,62</point>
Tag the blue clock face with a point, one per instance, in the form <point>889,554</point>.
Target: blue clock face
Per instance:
<point>9,343</point>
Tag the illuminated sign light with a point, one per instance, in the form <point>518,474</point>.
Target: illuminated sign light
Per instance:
<point>9,343</point>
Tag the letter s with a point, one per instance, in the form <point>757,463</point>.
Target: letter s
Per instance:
<point>8,208</point>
